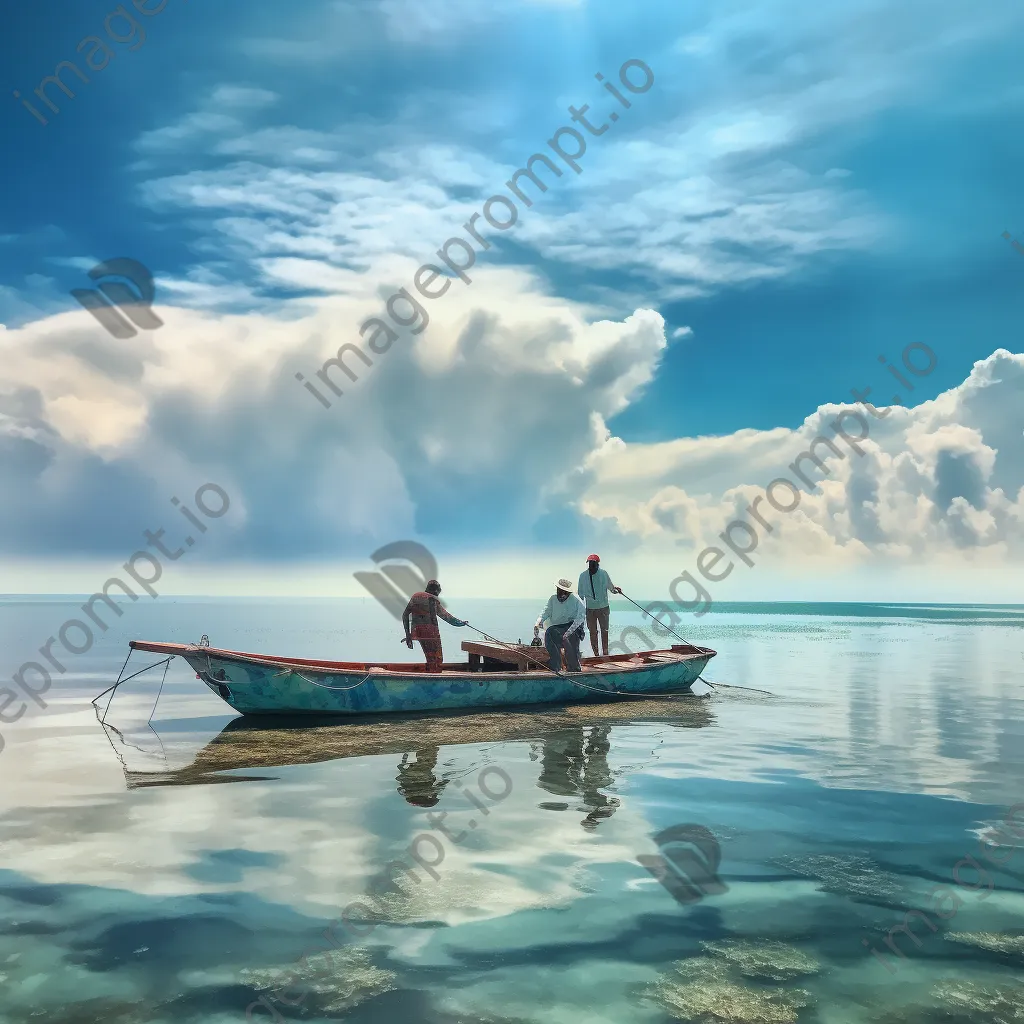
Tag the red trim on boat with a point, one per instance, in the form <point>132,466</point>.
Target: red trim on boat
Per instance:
<point>156,647</point>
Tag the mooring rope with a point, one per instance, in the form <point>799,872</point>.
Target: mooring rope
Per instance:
<point>112,690</point>
<point>149,721</point>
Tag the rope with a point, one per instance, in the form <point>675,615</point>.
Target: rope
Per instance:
<point>156,664</point>
<point>657,620</point>
<point>549,667</point>
<point>669,628</point>
<point>540,664</point>
<point>576,682</point>
<point>323,686</point>
<point>706,682</point>
<point>113,689</point>
<point>594,689</point>
<point>732,686</point>
<point>119,674</point>
<point>167,665</point>
<point>630,693</point>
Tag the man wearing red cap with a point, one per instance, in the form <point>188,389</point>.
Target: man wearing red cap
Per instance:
<point>594,586</point>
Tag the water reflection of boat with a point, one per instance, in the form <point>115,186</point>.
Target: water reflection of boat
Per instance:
<point>574,743</point>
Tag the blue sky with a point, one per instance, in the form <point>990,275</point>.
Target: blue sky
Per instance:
<point>800,191</point>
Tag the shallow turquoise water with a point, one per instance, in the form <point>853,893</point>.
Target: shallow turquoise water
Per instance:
<point>175,873</point>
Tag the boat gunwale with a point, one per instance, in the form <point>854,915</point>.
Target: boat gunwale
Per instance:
<point>601,666</point>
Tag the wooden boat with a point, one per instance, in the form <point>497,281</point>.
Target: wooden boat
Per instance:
<point>260,684</point>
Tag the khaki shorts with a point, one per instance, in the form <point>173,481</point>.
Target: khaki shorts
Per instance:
<point>598,616</point>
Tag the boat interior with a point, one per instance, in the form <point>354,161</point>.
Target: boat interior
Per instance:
<point>481,657</point>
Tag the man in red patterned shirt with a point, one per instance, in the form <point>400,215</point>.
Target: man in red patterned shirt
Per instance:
<point>420,622</point>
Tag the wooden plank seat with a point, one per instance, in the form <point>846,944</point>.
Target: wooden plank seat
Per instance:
<point>488,657</point>
<point>484,657</point>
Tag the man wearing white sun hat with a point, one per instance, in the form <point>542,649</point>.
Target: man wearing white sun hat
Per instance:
<point>566,616</point>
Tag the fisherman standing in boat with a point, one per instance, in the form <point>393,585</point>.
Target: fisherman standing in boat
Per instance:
<point>593,588</point>
<point>567,616</point>
<point>422,612</point>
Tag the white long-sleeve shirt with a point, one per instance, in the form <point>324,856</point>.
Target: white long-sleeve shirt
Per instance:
<point>571,610</point>
<point>594,589</point>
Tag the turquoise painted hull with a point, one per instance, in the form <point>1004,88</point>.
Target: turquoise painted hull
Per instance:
<point>258,685</point>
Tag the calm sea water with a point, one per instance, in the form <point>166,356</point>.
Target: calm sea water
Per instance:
<point>183,868</point>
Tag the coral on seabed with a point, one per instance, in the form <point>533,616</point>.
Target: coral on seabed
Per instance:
<point>964,1002</point>
<point>339,979</point>
<point>706,995</point>
<point>88,1011</point>
<point>987,1004</point>
<point>1008,943</point>
<point>852,876</point>
<point>765,958</point>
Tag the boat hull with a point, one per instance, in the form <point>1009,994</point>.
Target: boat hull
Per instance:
<point>251,687</point>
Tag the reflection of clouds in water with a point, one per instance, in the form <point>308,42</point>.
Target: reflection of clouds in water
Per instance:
<point>337,979</point>
<point>152,840</point>
<point>76,954</point>
<point>995,834</point>
<point>700,989</point>
<point>534,918</point>
<point>325,846</point>
<point>461,895</point>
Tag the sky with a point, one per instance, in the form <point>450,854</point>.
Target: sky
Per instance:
<point>790,202</point>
